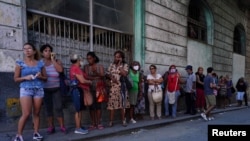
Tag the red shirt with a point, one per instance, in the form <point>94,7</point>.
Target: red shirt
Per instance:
<point>74,69</point>
<point>173,80</point>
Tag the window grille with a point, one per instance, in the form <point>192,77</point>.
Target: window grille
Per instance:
<point>68,37</point>
<point>197,28</point>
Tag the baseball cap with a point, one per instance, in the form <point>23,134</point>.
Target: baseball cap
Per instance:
<point>189,67</point>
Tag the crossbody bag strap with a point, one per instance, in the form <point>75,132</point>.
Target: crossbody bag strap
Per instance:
<point>176,82</point>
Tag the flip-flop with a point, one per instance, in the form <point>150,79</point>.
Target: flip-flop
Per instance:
<point>91,127</point>
<point>100,127</point>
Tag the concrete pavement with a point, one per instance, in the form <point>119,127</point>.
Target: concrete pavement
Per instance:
<point>117,129</point>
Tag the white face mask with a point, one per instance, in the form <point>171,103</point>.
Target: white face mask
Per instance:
<point>172,70</point>
<point>136,68</point>
<point>81,63</point>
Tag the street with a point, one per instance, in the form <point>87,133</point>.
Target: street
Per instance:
<point>195,129</point>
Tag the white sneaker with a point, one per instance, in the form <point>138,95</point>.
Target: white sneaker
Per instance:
<point>210,118</point>
<point>132,120</point>
<point>204,116</point>
<point>37,137</point>
<point>18,138</point>
<point>81,131</point>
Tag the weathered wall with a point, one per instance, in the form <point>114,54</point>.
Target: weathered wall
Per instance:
<point>226,16</point>
<point>11,34</point>
<point>11,40</point>
<point>167,42</point>
<point>165,34</point>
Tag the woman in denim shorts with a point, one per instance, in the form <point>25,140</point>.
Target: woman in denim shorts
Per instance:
<point>30,73</point>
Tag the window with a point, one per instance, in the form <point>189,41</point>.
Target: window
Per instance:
<point>200,21</point>
<point>67,26</point>
<point>239,44</point>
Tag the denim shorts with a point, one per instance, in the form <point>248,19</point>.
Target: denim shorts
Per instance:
<point>32,92</point>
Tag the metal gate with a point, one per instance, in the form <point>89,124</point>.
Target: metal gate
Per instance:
<point>68,36</point>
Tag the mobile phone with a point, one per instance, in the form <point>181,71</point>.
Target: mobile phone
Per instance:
<point>52,54</point>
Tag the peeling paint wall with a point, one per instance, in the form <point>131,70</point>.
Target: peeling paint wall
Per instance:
<point>11,34</point>
<point>166,40</point>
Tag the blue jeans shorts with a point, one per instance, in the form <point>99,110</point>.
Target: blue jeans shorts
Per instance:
<point>32,92</point>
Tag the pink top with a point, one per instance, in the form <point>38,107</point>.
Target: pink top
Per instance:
<point>77,70</point>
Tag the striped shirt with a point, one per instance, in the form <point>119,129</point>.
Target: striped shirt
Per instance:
<point>53,80</point>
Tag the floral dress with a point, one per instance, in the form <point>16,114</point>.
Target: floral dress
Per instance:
<point>115,98</point>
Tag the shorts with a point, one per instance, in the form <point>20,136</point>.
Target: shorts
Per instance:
<point>32,92</point>
<point>211,100</point>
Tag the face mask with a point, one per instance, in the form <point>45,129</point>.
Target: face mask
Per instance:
<point>172,70</point>
<point>136,68</point>
<point>81,63</point>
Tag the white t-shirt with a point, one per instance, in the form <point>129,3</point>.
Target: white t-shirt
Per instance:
<point>151,87</point>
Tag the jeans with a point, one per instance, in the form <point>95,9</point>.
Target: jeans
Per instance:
<point>174,106</point>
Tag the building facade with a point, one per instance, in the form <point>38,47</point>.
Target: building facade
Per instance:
<point>161,32</point>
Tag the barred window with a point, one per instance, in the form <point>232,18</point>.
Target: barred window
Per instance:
<point>197,26</point>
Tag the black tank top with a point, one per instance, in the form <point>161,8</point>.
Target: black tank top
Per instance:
<point>198,85</point>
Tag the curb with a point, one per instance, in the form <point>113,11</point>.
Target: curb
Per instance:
<point>133,128</point>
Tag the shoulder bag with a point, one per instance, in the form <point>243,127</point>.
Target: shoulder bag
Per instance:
<point>157,94</point>
<point>171,95</point>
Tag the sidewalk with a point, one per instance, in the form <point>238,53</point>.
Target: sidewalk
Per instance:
<point>116,129</point>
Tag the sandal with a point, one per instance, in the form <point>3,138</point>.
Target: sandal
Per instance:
<point>110,123</point>
<point>91,127</point>
<point>100,126</point>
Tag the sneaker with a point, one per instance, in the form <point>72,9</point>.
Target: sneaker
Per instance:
<point>210,118</point>
<point>84,128</point>
<point>37,136</point>
<point>63,129</point>
<point>18,138</point>
<point>132,120</point>
<point>51,130</point>
<point>204,116</point>
<point>81,131</point>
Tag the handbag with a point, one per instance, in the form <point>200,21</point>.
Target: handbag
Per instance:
<point>157,94</point>
<point>127,80</point>
<point>171,95</point>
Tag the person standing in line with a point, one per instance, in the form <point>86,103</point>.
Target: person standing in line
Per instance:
<point>31,75</point>
<point>52,95</point>
<point>118,99</point>
<point>241,89</point>
<point>245,95</point>
<point>229,89</point>
<point>173,84</point>
<point>95,72</point>
<point>209,86</point>
<point>190,91</point>
<point>222,92</point>
<point>200,101</point>
<point>75,72</point>
<point>154,80</point>
<point>136,77</point>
